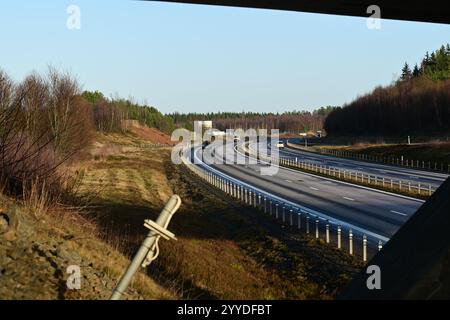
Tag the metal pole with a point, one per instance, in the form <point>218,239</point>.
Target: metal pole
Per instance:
<point>284,216</point>
<point>276,211</point>
<point>299,220</point>
<point>380,245</point>
<point>364,248</point>
<point>339,237</point>
<point>327,233</point>
<point>148,245</point>
<point>350,238</point>
<point>291,217</point>
<point>317,228</point>
<point>307,224</point>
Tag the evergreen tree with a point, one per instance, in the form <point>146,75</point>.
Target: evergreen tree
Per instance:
<point>416,71</point>
<point>406,73</point>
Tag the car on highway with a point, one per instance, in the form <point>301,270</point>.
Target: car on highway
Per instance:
<point>280,144</point>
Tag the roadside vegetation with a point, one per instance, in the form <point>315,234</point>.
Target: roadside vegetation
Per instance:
<point>224,250</point>
<point>417,103</point>
<point>432,155</point>
<point>79,174</point>
<point>286,122</point>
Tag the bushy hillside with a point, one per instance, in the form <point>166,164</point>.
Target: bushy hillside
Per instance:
<point>418,103</point>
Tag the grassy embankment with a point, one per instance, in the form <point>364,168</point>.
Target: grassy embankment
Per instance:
<point>224,250</point>
<point>36,248</point>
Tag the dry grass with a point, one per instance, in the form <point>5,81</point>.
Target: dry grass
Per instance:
<point>223,251</point>
<point>432,151</point>
<point>42,249</point>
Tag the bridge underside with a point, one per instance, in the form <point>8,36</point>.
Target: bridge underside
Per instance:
<point>412,10</point>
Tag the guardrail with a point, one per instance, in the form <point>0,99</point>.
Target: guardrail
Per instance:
<point>401,162</point>
<point>352,176</point>
<point>321,226</point>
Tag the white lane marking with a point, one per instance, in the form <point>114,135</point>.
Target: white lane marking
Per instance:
<point>350,199</point>
<point>400,213</point>
<point>314,188</point>
<point>302,208</point>
<point>288,181</point>
<point>339,182</point>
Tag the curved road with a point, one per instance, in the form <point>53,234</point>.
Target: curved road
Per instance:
<point>435,179</point>
<point>377,212</point>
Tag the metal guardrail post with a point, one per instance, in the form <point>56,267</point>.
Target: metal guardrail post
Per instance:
<point>299,220</point>
<point>271,207</point>
<point>149,248</point>
<point>317,228</point>
<point>339,231</point>
<point>276,211</point>
<point>307,224</point>
<point>265,205</point>
<point>364,248</point>
<point>284,214</point>
<point>380,245</point>
<point>327,237</point>
<point>291,217</point>
<point>350,238</point>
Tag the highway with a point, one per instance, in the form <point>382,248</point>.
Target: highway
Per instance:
<point>435,179</point>
<point>377,212</point>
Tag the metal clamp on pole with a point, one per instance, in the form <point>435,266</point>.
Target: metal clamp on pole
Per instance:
<point>149,249</point>
<point>158,232</point>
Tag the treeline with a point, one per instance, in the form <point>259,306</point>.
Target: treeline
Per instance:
<point>293,122</point>
<point>109,113</point>
<point>418,102</point>
<point>46,120</point>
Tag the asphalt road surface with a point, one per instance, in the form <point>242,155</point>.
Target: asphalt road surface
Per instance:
<point>377,212</point>
<point>406,175</point>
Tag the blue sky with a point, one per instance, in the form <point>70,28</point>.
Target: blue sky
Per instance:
<point>185,58</point>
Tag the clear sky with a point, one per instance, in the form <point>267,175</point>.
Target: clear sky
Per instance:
<point>184,58</point>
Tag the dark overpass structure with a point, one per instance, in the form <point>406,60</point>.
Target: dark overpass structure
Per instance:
<point>412,10</point>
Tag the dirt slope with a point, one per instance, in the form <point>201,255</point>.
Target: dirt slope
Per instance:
<point>36,249</point>
<point>151,135</point>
